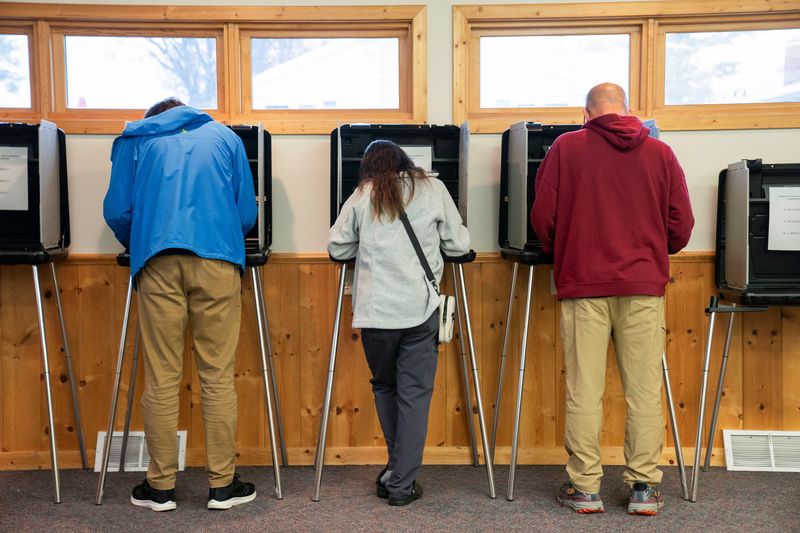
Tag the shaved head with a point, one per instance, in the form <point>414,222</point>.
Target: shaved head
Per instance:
<point>606,98</point>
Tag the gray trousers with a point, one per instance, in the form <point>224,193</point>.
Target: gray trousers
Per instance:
<point>403,364</point>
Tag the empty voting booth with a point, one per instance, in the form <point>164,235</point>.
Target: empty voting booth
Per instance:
<point>34,230</point>
<point>757,262</point>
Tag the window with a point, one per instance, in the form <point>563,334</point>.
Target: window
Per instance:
<point>689,65</point>
<point>315,78</point>
<point>359,73</point>
<point>549,70</point>
<point>15,71</point>
<point>111,72</point>
<point>91,68</point>
<point>732,67</point>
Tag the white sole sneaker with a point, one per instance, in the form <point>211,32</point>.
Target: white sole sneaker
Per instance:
<point>154,506</point>
<point>230,502</point>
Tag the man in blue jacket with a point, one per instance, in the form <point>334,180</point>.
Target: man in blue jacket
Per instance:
<point>181,199</point>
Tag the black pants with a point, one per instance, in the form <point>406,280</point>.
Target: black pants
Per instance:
<point>403,364</point>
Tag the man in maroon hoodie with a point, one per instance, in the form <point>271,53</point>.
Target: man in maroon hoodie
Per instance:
<point>611,205</point>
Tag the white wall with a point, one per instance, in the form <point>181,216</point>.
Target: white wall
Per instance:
<point>301,163</point>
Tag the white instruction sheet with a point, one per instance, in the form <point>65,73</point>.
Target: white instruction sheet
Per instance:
<point>13,178</point>
<point>421,156</point>
<point>784,219</point>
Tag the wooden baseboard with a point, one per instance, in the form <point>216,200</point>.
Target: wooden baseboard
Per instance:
<point>450,455</point>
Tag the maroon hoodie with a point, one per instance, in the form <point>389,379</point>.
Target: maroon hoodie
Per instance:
<point>611,204</point>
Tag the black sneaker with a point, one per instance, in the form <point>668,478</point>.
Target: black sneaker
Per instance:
<point>380,487</point>
<point>156,500</point>
<point>234,494</point>
<point>416,494</point>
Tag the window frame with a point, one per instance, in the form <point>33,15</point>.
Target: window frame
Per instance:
<point>325,120</point>
<point>27,28</point>
<point>646,92</point>
<point>720,116</point>
<point>95,118</point>
<point>51,22</point>
<point>561,115</point>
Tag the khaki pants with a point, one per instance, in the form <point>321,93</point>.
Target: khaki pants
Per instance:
<point>636,324</point>
<point>173,291</point>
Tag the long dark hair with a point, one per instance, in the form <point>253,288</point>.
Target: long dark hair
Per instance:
<point>382,165</point>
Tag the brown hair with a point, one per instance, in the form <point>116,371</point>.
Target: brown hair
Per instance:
<point>382,165</point>
<point>163,105</point>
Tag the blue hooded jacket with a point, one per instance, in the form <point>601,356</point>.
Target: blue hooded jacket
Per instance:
<point>180,180</point>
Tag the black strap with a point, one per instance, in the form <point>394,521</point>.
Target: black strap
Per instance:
<point>417,248</point>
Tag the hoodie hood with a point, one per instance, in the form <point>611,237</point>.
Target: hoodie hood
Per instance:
<point>168,121</point>
<point>622,132</point>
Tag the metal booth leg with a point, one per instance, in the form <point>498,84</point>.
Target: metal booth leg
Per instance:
<point>720,383</point>
<point>464,371</point>
<point>72,385</point>
<point>674,424</point>
<point>48,391</point>
<point>503,358</point>
<point>476,381</point>
<point>258,297</point>
<point>319,460</point>
<point>273,379</point>
<point>101,482</point>
<point>131,393</point>
<point>701,411</point>
<point>520,382</point>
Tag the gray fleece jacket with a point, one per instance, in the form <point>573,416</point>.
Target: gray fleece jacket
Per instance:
<point>390,290</point>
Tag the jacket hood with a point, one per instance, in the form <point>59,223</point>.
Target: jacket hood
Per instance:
<point>623,132</point>
<point>166,122</point>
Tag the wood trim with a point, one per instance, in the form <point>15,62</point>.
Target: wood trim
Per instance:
<point>646,72</point>
<point>624,9</point>
<point>315,258</point>
<point>53,21</point>
<point>184,13</point>
<point>303,456</point>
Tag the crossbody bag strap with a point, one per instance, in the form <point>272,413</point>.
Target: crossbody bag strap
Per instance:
<point>417,248</point>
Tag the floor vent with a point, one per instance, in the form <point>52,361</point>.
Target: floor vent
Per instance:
<point>764,451</point>
<point>137,458</point>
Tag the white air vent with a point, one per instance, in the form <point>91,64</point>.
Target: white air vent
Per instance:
<point>137,459</point>
<point>771,451</point>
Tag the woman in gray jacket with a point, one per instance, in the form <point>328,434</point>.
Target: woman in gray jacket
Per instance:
<point>393,302</point>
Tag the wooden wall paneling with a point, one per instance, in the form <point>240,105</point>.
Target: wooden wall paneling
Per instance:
<point>730,411</point>
<point>762,361</point>
<point>478,278</point>
<point>450,371</point>
<point>98,334</point>
<point>282,287</point>
<point>494,306</point>
<point>253,429</point>
<point>505,429</point>
<point>21,366</point>
<point>688,294</point>
<point>540,399</point>
<point>66,433</point>
<point>317,296</point>
<point>791,368</point>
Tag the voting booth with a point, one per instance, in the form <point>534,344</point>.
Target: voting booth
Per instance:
<point>524,147</point>
<point>34,230</point>
<point>439,149</point>
<point>757,261</point>
<point>258,148</point>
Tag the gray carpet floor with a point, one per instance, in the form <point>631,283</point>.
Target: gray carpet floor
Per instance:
<point>456,499</point>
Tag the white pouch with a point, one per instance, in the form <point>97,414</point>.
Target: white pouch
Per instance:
<point>447,317</point>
